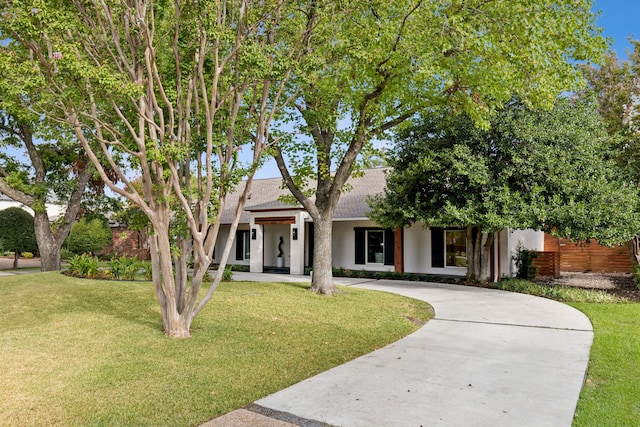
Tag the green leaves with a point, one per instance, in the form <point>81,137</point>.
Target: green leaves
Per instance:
<point>538,169</point>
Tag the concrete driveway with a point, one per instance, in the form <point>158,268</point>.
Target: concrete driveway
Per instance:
<point>488,358</point>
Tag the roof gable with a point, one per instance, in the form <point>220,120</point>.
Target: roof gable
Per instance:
<point>265,194</point>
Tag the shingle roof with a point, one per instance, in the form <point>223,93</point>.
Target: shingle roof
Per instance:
<point>265,193</point>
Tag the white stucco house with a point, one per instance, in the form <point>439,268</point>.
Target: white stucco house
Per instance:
<point>358,243</point>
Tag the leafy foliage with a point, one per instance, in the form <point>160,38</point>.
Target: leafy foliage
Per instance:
<point>558,293</point>
<point>88,236</point>
<point>524,263</point>
<point>124,267</point>
<point>16,231</point>
<point>168,92</point>
<point>83,265</point>
<point>551,170</point>
<point>377,64</point>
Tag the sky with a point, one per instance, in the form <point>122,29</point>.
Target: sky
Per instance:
<point>619,19</point>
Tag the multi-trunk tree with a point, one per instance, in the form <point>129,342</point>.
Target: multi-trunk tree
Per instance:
<point>548,170</point>
<point>379,63</point>
<point>164,95</point>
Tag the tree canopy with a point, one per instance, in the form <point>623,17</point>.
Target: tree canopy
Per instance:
<point>551,170</point>
<point>164,94</point>
<point>616,88</point>
<point>380,63</point>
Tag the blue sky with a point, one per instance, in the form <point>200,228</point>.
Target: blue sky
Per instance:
<point>619,20</point>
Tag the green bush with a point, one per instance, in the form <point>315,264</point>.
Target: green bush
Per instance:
<point>524,263</point>
<point>227,275</point>
<point>27,255</point>
<point>636,275</point>
<point>558,293</point>
<point>145,266</point>
<point>88,236</point>
<point>83,266</point>
<point>123,267</point>
<point>17,233</point>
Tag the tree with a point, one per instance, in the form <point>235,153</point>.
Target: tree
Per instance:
<point>88,236</point>
<point>16,232</point>
<point>551,170</point>
<point>616,88</point>
<point>166,93</point>
<point>40,162</point>
<point>48,172</point>
<point>380,63</point>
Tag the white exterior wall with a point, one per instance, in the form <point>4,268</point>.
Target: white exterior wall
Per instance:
<point>417,249</point>
<point>417,253</point>
<point>344,246</point>
<point>272,234</point>
<point>223,234</point>
<point>511,239</point>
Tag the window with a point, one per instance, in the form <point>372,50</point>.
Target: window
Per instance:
<point>375,247</point>
<point>243,245</point>
<point>456,248</point>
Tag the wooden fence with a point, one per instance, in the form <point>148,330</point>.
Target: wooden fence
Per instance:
<point>548,263</point>
<point>589,256</point>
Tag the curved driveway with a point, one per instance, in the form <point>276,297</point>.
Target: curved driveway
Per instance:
<point>487,358</point>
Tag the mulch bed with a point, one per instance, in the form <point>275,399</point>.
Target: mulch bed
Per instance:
<point>618,284</point>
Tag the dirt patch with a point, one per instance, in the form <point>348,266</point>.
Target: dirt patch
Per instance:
<point>619,284</point>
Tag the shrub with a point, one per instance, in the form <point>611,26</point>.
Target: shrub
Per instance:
<point>227,274</point>
<point>27,255</point>
<point>17,232</point>
<point>146,270</point>
<point>636,275</point>
<point>123,267</point>
<point>88,236</point>
<point>524,263</point>
<point>65,254</point>
<point>83,266</point>
<point>558,293</point>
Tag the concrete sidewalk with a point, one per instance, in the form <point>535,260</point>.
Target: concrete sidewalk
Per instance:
<point>488,358</point>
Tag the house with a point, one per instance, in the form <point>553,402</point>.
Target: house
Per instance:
<point>54,211</point>
<point>268,226</point>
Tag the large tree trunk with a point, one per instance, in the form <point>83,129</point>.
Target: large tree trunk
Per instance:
<point>48,247</point>
<point>479,246</point>
<point>168,286</point>
<point>322,281</point>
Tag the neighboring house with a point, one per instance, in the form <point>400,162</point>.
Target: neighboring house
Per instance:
<point>358,243</point>
<point>125,241</point>
<point>54,211</point>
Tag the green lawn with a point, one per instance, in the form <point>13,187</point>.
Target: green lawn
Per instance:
<point>83,352</point>
<point>611,394</point>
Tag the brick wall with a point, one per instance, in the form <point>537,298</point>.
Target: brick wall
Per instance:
<point>128,242</point>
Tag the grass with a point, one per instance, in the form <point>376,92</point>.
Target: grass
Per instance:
<point>84,352</point>
<point>611,394</point>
